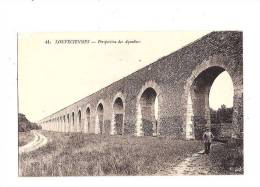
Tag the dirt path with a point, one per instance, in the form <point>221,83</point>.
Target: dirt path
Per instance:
<point>38,141</point>
<point>197,164</point>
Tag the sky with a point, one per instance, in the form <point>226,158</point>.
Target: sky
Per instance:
<point>221,91</point>
<point>54,75</point>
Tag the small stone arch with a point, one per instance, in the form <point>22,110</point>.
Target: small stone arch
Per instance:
<point>57,125</point>
<point>118,117</point>
<point>139,116</point>
<point>64,123</point>
<point>79,120</point>
<point>72,121</point>
<point>68,123</point>
<point>99,120</point>
<point>87,118</point>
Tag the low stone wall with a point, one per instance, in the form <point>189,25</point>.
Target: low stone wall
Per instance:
<point>222,130</point>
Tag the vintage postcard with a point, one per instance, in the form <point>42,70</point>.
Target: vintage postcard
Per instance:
<point>130,103</point>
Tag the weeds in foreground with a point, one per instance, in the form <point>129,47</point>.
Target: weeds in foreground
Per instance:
<point>228,157</point>
<point>77,154</point>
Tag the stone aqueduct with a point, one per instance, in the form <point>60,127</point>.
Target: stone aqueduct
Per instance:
<point>178,84</point>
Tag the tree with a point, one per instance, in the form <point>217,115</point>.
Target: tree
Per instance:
<point>25,125</point>
<point>222,115</point>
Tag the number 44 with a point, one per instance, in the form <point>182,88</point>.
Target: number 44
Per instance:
<point>47,42</point>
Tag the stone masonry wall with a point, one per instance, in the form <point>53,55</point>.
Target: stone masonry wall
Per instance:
<point>171,77</point>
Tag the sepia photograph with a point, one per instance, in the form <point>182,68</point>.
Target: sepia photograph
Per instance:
<point>122,93</point>
<point>130,103</point>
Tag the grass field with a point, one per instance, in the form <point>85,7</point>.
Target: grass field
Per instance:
<point>24,138</point>
<point>76,154</point>
<point>228,159</point>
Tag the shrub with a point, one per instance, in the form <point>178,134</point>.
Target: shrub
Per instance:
<point>25,125</point>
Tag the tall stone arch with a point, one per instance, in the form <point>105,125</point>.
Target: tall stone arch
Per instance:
<point>73,121</point>
<point>139,116</point>
<point>87,122</point>
<point>67,128</point>
<point>219,63</point>
<point>118,114</point>
<point>79,120</point>
<point>99,118</point>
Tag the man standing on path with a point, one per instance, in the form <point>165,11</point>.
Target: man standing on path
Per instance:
<point>207,138</point>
